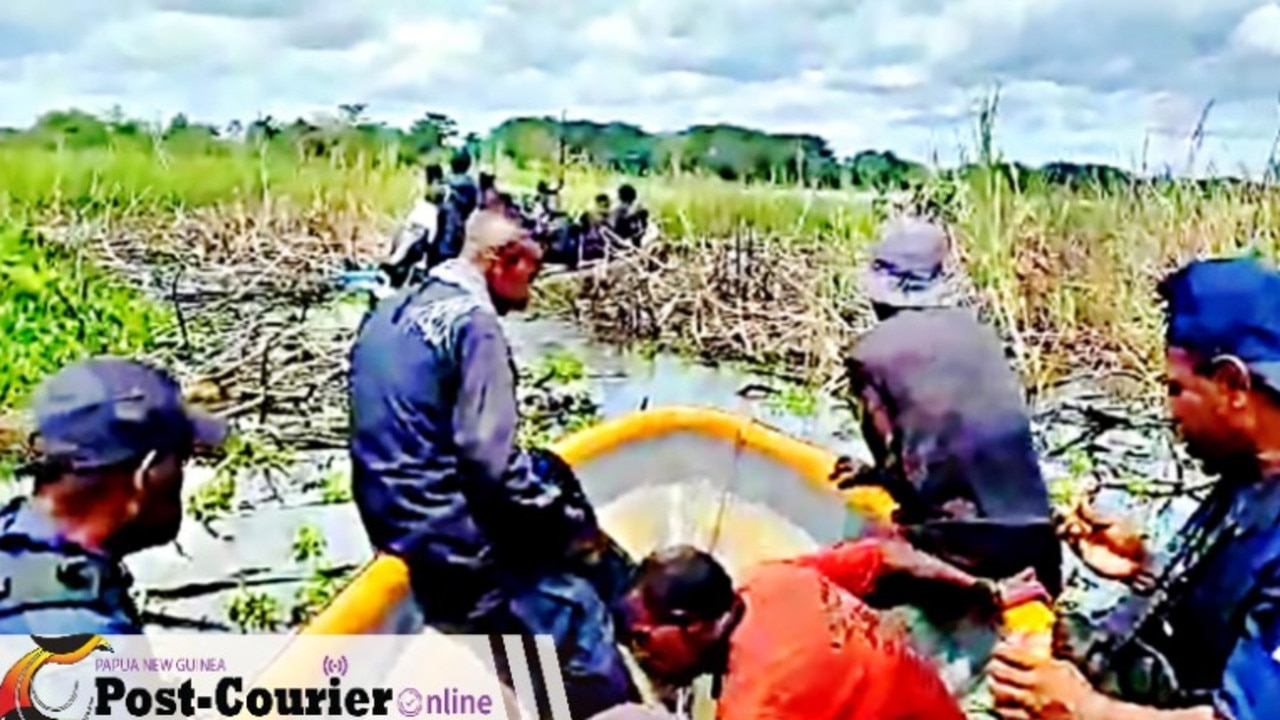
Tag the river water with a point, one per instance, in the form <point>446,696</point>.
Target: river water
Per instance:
<point>252,549</point>
<point>195,578</point>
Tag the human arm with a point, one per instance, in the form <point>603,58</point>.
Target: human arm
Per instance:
<point>486,419</point>
<point>851,475</point>
<point>861,566</point>
<point>1026,687</point>
<point>1112,547</point>
<point>1249,688</point>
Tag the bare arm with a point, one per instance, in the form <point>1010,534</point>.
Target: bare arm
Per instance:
<point>1025,687</point>
<point>1104,708</point>
<point>1111,547</point>
<point>860,566</point>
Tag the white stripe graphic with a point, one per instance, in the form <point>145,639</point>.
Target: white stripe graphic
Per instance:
<point>557,695</point>
<point>521,677</point>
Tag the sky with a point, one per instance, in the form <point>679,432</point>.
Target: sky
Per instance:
<point>1112,81</point>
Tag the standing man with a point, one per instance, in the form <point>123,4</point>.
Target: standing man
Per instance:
<point>114,436</point>
<point>944,418</point>
<point>493,535</point>
<point>629,220</point>
<point>1202,642</point>
<point>411,252</point>
<point>462,199</point>
<point>943,415</point>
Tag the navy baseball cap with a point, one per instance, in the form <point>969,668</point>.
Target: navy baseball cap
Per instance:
<point>1227,307</point>
<point>105,411</point>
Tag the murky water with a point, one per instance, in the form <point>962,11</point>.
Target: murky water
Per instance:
<point>251,549</point>
<point>624,382</point>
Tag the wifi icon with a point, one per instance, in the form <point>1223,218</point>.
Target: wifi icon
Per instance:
<point>335,667</point>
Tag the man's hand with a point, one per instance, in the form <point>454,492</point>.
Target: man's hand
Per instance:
<point>849,473</point>
<point>994,597</point>
<point>1021,588</point>
<point>1110,547</point>
<point>1025,687</point>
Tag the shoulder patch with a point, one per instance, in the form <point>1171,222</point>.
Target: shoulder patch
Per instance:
<point>436,321</point>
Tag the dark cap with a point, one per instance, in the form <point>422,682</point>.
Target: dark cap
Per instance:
<point>1227,307</point>
<point>105,411</point>
<point>909,266</point>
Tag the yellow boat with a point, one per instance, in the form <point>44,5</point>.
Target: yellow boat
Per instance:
<point>667,475</point>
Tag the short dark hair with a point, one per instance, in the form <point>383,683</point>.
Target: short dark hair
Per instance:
<point>1205,367</point>
<point>46,472</point>
<point>626,193</point>
<point>684,581</point>
<point>460,163</point>
<point>488,181</point>
<point>602,198</point>
<point>43,472</point>
<point>434,173</point>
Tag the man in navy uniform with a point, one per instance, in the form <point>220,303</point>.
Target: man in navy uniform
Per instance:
<point>114,436</point>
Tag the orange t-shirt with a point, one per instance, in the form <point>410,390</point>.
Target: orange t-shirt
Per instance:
<point>808,649</point>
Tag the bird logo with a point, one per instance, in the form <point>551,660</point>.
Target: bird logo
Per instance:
<point>18,699</point>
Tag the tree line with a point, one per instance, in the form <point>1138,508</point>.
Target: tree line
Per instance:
<point>728,151</point>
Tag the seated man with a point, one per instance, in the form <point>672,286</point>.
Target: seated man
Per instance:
<point>629,220</point>
<point>592,230</point>
<point>795,641</point>
<point>494,536</point>
<point>547,206</point>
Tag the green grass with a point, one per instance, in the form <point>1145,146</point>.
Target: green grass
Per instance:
<point>1068,275</point>
<point>133,181</point>
<point>57,306</point>
<point>130,181</point>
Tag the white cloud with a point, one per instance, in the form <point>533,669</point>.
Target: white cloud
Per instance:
<point>1087,80</point>
<point>1259,31</point>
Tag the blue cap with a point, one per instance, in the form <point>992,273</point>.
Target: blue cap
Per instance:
<point>1227,307</point>
<point>105,411</point>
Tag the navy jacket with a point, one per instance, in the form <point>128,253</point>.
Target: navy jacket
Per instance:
<point>50,586</point>
<point>438,477</point>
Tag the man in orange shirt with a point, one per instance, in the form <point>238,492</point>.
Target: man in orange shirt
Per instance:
<point>797,640</point>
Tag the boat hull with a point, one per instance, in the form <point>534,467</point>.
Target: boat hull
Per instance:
<point>680,474</point>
